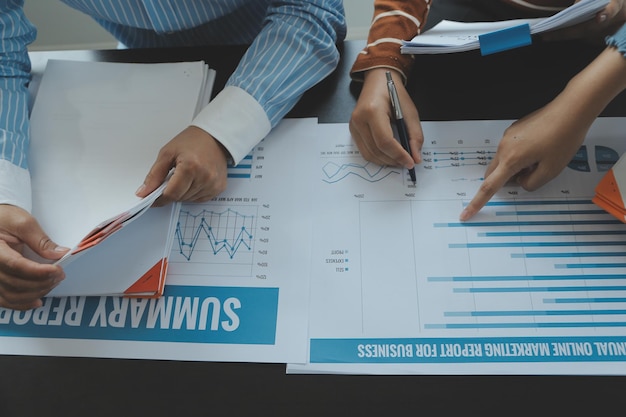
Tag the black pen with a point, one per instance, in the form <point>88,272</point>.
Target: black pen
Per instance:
<point>399,119</point>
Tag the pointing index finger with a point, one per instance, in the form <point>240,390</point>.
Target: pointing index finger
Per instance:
<point>492,183</point>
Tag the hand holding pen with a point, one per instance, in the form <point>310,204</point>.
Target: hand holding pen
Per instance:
<point>372,120</point>
<point>399,120</point>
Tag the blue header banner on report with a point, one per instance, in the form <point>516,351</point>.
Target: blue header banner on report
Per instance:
<point>469,350</point>
<point>192,314</point>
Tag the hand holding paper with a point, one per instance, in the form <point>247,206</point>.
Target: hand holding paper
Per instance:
<point>200,174</point>
<point>96,129</point>
<point>603,24</point>
<point>22,281</point>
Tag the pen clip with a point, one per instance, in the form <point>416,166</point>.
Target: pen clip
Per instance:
<point>393,95</point>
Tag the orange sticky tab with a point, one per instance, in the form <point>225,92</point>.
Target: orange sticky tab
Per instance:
<point>95,239</point>
<point>608,188</point>
<point>151,284</point>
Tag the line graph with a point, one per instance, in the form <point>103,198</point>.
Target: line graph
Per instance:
<point>227,231</point>
<point>368,171</point>
<point>343,161</point>
<point>215,235</point>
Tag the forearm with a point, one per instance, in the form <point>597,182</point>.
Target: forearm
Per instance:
<point>15,34</point>
<point>589,92</point>
<point>295,50</point>
<point>394,21</point>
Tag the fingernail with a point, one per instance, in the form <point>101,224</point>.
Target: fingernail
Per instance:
<point>464,215</point>
<point>140,189</point>
<point>61,249</point>
<point>603,18</point>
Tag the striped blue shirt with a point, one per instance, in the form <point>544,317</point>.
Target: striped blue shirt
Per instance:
<point>292,48</point>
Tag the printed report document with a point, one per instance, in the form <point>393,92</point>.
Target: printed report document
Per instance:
<point>96,129</point>
<point>533,284</point>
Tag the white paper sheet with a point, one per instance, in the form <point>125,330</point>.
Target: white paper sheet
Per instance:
<point>238,281</point>
<point>534,284</point>
<point>96,129</point>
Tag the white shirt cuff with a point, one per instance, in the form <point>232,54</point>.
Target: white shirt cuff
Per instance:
<point>15,186</point>
<point>236,120</point>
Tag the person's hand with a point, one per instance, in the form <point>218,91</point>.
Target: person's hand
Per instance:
<point>533,151</point>
<point>22,281</point>
<point>605,23</point>
<point>200,172</point>
<point>372,118</point>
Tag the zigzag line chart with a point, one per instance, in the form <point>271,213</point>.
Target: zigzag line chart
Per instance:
<point>367,171</point>
<point>216,235</point>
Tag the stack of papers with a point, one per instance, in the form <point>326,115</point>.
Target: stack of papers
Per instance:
<point>96,131</point>
<point>448,36</point>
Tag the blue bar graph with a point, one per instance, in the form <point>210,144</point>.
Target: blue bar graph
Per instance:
<point>579,249</point>
<point>243,170</point>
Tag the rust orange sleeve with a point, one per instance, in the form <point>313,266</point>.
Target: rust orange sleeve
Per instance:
<point>393,22</point>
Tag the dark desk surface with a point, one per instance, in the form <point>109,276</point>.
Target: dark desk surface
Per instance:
<point>457,86</point>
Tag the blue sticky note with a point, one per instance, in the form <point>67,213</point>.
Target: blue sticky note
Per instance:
<point>501,40</point>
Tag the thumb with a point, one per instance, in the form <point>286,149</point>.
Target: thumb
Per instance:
<point>18,228</point>
<point>40,243</point>
<point>156,176</point>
